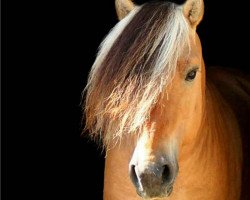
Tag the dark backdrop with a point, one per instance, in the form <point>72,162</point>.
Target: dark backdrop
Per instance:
<point>49,49</point>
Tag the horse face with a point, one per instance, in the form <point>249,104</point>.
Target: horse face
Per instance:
<point>146,84</point>
<point>174,121</point>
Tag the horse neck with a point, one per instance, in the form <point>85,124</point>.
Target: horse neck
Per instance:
<point>215,153</point>
<point>219,128</point>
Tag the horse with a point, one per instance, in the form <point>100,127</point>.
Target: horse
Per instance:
<point>171,128</point>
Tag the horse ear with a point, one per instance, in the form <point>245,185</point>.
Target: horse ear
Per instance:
<point>123,7</point>
<point>194,11</point>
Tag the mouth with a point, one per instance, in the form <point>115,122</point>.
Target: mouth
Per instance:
<point>157,194</point>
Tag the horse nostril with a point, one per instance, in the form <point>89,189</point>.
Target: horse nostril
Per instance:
<point>152,180</point>
<point>165,174</point>
<point>133,176</point>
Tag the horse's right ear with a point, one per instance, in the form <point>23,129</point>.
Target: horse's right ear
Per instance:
<point>194,11</point>
<point>123,7</point>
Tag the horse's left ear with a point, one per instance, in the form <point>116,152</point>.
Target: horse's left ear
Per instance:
<point>123,7</point>
<point>194,11</point>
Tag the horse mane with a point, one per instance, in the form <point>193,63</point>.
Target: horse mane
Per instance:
<point>135,62</point>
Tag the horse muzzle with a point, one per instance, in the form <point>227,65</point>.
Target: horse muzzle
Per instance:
<point>153,180</point>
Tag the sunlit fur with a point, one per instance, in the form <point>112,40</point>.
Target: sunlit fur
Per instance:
<point>122,92</point>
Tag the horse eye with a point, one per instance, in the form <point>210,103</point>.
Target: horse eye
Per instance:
<point>191,75</point>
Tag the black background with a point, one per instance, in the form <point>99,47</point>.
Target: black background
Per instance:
<point>49,48</point>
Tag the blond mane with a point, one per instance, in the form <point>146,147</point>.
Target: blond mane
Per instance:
<point>136,61</point>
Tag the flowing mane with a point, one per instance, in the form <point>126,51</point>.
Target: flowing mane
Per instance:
<point>136,61</point>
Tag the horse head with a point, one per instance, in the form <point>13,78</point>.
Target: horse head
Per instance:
<point>148,84</point>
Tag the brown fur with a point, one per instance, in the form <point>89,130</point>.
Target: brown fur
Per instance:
<point>234,86</point>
